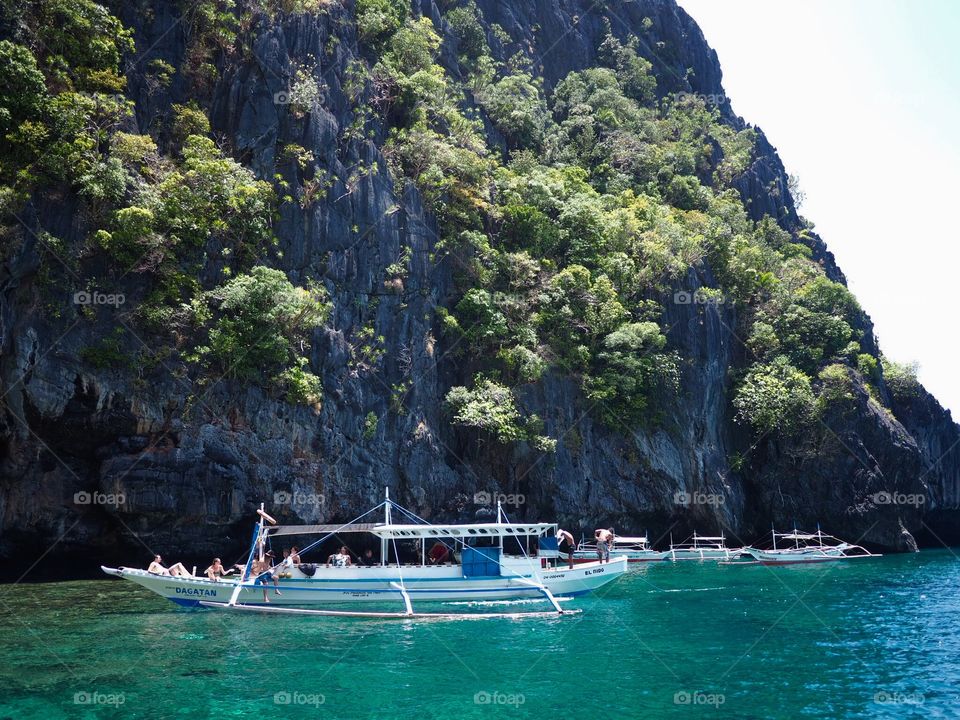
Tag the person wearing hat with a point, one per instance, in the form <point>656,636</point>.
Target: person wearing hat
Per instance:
<point>263,570</point>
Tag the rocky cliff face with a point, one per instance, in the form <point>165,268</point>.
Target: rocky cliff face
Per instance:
<point>108,465</point>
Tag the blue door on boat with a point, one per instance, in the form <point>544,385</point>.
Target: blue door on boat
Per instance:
<point>480,561</point>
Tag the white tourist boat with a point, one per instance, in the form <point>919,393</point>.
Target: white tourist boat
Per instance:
<point>797,547</point>
<point>634,549</point>
<point>703,547</point>
<point>489,563</point>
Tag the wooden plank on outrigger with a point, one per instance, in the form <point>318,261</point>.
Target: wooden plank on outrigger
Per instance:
<point>382,615</point>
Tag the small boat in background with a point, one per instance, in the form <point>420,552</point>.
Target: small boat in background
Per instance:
<point>634,549</point>
<point>807,548</point>
<point>703,547</point>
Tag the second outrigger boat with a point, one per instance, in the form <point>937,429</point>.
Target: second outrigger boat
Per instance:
<point>798,547</point>
<point>493,566</point>
<point>634,549</point>
<point>703,547</point>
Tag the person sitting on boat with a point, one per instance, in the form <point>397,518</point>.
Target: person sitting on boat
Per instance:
<point>566,545</point>
<point>604,539</point>
<point>175,570</point>
<point>340,559</point>
<point>439,553</point>
<point>367,559</point>
<point>286,565</point>
<point>294,555</point>
<point>216,570</point>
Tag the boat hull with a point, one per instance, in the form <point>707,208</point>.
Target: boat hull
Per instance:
<point>706,554</point>
<point>798,557</point>
<point>378,584</point>
<point>632,556</point>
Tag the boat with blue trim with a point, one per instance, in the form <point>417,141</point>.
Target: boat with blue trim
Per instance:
<point>477,562</point>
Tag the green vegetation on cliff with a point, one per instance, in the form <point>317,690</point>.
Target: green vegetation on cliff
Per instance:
<point>571,215</point>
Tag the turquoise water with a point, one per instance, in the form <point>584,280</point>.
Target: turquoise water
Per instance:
<point>873,638</point>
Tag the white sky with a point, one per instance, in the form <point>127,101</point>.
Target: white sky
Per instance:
<point>862,100</point>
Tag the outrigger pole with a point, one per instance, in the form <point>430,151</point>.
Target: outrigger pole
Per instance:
<point>383,554</point>
<point>257,534</point>
<point>501,517</point>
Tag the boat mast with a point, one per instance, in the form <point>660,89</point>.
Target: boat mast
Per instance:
<point>500,520</point>
<point>386,518</point>
<point>773,531</point>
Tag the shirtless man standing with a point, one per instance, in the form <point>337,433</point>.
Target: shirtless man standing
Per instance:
<point>604,539</point>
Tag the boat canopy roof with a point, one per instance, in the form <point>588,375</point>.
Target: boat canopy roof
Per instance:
<point>470,530</point>
<point>276,530</point>
<point>418,531</point>
<point>629,540</point>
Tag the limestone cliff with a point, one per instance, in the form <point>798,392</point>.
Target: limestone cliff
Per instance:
<point>191,459</point>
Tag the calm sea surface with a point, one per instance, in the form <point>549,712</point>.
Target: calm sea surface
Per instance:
<point>866,639</point>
